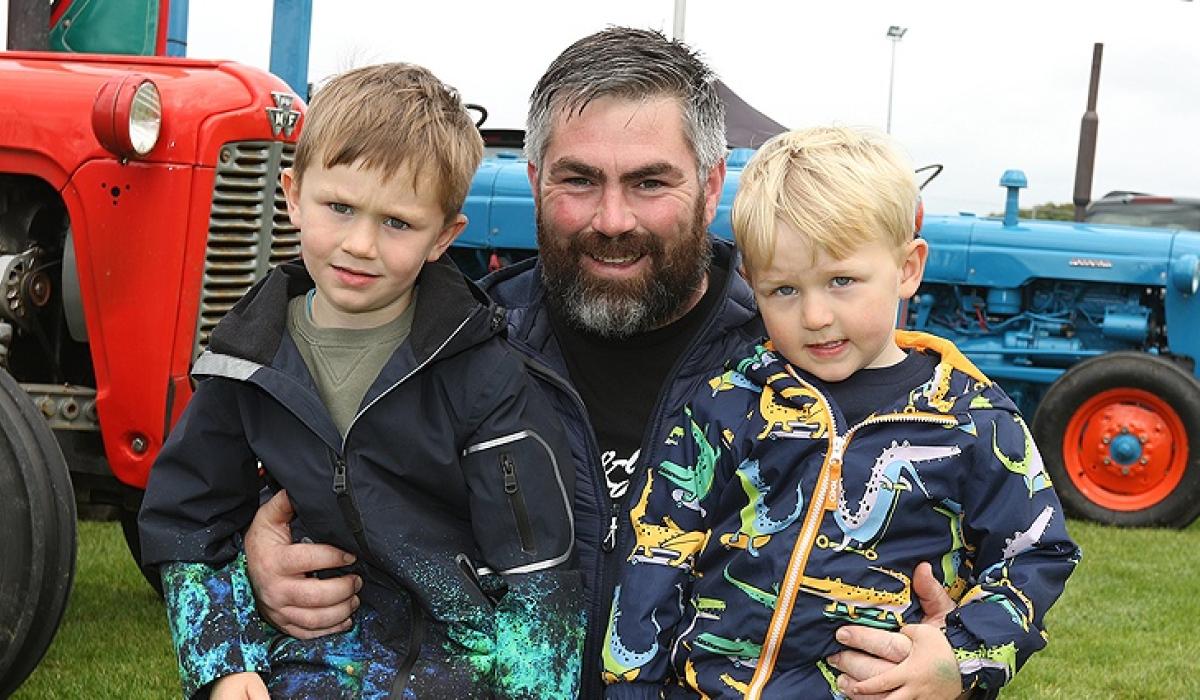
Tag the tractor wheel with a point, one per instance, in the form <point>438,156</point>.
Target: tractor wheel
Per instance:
<point>1120,435</point>
<point>37,544</point>
<point>129,527</point>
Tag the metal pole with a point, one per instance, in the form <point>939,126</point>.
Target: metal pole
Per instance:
<point>891,85</point>
<point>177,28</point>
<point>28,25</point>
<point>291,25</point>
<point>680,16</point>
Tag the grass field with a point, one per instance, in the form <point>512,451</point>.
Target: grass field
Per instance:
<point>1125,628</point>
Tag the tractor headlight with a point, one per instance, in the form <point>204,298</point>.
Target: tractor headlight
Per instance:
<point>127,115</point>
<point>1185,274</point>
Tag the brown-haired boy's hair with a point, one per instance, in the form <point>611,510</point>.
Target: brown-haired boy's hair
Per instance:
<point>392,115</point>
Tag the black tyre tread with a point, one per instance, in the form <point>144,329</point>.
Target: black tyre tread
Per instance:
<point>51,566</point>
<point>1160,376</point>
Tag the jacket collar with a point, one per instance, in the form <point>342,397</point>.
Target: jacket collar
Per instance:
<point>255,326</point>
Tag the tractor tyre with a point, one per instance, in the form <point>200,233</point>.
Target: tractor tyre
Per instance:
<point>1120,436</point>
<point>37,544</point>
<point>133,540</point>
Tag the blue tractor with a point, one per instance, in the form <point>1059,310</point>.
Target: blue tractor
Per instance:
<point>1093,329</point>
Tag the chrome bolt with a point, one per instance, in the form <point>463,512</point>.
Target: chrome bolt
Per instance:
<point>139,445</point>
<point>1106,440</point>
<point>1107,460</point>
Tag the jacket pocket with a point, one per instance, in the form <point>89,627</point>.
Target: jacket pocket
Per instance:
<point>520,504</point>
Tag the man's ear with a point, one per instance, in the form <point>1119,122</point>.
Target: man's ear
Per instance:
<point>912,268</point>
<point>712,191</point>
<point>291,193</point>
<point>446,236</point>
<point>531,172</point>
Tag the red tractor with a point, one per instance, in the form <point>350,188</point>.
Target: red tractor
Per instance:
<point>139,200</point>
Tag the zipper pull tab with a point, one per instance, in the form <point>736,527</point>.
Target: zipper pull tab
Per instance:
<point>339,476</point>
<point>610,538</point>
<point>509,470</point>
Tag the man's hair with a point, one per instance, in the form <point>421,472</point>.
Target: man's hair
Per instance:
<point>629,64</point>
<point>389,116</point>
<point>839,187</point>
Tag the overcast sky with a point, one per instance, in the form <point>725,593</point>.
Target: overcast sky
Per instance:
<point>980,87</point>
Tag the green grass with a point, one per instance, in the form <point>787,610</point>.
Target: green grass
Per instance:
<point>113,642</point>
<point>1125,628</point>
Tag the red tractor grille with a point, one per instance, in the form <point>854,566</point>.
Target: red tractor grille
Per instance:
<point>248,229</point>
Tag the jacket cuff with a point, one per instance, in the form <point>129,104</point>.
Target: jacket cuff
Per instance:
<point>215,626</point>
<point>984,669</point>
<point>539,636</point>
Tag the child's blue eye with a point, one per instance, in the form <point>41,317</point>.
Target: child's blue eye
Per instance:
<point>397,224</point>
<point>784,291</point>
<point>841,281</point>
<point>339,208</point>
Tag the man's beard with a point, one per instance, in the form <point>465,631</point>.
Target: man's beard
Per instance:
<point>621,308</point>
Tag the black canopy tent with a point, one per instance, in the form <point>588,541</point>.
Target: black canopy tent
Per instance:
<point>745,126</point>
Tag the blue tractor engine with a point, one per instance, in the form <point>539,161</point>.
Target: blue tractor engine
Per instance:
<point>1094,331</point>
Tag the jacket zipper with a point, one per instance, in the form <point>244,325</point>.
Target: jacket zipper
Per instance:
<point>345,499</point>
<point>516,501</point>
<point>825,498</point>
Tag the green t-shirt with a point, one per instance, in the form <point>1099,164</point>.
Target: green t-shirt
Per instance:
<point>344,362</point>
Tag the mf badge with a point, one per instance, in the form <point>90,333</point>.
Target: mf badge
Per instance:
<point>282,117</point>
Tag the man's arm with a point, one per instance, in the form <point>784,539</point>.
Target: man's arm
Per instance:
<point>299,605</point>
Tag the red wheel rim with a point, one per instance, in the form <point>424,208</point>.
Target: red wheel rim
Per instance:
<point>1125,449</point>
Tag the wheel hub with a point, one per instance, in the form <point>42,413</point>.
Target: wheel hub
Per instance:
<point>1127,446</point>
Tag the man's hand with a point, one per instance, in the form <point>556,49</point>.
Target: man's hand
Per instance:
<point>298,605</point>
<point>873,651</point>
<point>240,686</point>
<point>929,671</point>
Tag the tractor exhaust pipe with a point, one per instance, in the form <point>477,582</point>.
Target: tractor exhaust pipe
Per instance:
<point>1087,139</point>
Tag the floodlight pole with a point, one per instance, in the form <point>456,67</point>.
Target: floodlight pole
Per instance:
<point>680,16</point>
<point>894,33</point>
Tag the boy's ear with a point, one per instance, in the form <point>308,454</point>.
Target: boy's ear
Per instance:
<point>446,236</point>
<point>912,268</point>
<point>291,193</point>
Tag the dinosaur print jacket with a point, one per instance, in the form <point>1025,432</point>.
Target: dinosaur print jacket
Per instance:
<point>770,523</point>
<point>452,486</point>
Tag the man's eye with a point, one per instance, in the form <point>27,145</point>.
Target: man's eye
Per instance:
<point>784,291</point>
<point>397,224</point>
<point>651,184</point>
<point>339,208</point>
<point>841,281</point>
<point>577,181</point>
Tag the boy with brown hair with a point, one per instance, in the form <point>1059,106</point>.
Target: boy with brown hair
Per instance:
<point>804,483</point>
<point>371,381</point>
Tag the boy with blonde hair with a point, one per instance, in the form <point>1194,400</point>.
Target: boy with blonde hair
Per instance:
<point>372,382</point>
<point>804,482</point>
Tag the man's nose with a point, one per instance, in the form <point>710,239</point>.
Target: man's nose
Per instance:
<point>614,216</point>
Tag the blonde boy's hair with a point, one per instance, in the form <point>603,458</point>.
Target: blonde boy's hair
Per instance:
<point>389,116</point>
<point>839,187</point>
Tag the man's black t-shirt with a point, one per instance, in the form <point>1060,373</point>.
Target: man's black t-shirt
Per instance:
<point>619,380</point>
